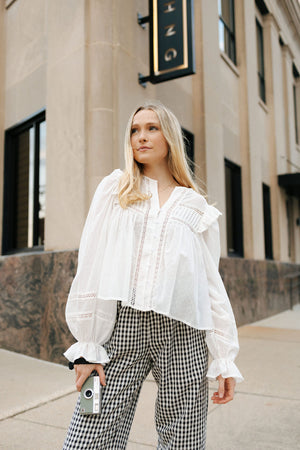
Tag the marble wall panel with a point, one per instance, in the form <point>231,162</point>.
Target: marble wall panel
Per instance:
<point>32,303</point>
<point>259,289</point>
<point>34,290</point>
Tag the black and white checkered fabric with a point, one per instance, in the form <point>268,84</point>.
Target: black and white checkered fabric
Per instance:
<point>177,356</point>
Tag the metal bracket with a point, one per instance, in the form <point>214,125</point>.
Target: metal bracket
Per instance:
<point>143,80</point>
<point>142,20</point>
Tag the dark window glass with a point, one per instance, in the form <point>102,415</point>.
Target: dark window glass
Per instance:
<point>227,28</point>
<point>267,222</point>
<point>24,186</point>
<point>234,212</point>
<point>262,7</point>
<point>260,61</point>
<point>296,115</point>
<point>290,224</point>
<point>189,147</point>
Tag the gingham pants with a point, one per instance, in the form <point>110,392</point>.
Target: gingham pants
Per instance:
<point>177,356</point>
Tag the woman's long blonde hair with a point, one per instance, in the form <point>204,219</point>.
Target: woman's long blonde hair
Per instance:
<point>129,186</point>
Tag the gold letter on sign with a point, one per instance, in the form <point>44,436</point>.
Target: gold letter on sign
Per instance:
<point>170,31</point>
<point>170,54</point>
<point>169,6</point>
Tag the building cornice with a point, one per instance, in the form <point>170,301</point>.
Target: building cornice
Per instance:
<point>271,19</point>
<point>8,3</point>
<point>287,50</point>
<point>292,9</point>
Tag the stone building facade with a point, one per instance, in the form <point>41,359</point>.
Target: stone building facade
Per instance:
<point>68,82</point>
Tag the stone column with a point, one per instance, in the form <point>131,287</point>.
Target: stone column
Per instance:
<point>198,103</point>
<point>66,123</point>
<point>212,126</point>
<point>2,81</point>
<point>290,139</point>
<point>249,136</point>
<point>276,135</point>
<point>100,76</point>
<point>292,153</point>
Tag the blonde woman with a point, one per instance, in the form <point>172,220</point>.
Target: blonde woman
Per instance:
<point>148,296</point>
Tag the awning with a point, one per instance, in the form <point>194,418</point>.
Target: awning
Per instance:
<point>291,183</point>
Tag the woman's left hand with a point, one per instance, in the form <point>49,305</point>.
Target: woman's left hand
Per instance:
<point>225,392</point>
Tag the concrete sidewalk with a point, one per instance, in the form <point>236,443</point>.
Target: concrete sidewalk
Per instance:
<point>37,398</point>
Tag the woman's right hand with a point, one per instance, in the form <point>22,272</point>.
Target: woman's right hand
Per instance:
<point>83,371</point>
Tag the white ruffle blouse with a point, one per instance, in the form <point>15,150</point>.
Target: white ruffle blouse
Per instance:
<point>156,258</point>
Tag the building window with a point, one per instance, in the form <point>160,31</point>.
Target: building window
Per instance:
<point>227,28</point>
<point>234,212</point>
<point>296,100</point>
<point>290,230</point>
<point>24,186</point>
<point>260,61</point>
<point>267,222</point>
<point>296,114</point>
<point>188,138</point>
<point>262,7</point>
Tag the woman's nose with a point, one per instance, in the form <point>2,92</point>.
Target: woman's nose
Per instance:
<point>142,136</point>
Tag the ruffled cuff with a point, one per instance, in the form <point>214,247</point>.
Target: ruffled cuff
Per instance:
<point>90,351</point>
<point>224,367</point>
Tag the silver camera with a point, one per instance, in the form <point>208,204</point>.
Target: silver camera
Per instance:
<point>90,396</point>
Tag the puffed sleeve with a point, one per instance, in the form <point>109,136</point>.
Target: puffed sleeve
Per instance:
<point>91,320</point>
<point>222,339</point>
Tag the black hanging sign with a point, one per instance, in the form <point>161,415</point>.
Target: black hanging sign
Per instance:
<point>171,40</point>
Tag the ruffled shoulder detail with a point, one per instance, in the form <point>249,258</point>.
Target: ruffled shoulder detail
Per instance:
<point>112,180</point>
<point>209,216</point>
<point>115,174</point>
<point>109,184</point>
<point>196,212</point>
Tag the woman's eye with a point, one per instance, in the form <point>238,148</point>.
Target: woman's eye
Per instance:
<point>133,130</point>
<point>153,127</point>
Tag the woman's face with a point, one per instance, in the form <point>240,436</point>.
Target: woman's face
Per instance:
<point>147,140</point>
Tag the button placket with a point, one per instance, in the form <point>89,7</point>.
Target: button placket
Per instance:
<point>153,243</point>
<point>140,257</point>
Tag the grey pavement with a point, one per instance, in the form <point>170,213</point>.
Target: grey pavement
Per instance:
<point>37,398</point>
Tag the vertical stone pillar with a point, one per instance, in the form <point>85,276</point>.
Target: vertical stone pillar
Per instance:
<point>100,74</point>
<point>276,138</point>
<point>287,57</point>
<point>80,112</point>
<point>212,127</point>
<point>249,144</point>
<point>66,123</point>
<point>198,94</point>
<point>2,81</point>
<point>291,153</point>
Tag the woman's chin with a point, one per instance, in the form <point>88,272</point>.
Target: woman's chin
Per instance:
<point>143,159</point>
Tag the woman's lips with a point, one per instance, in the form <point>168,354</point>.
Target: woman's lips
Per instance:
<point>143,149</point>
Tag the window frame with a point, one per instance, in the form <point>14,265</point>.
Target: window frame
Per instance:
<point>267,221</point>
<point>236,201</point>
<point>260,60</point>
<point>9,227</point>
<point>297,140</point>
<point>229,30</point>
